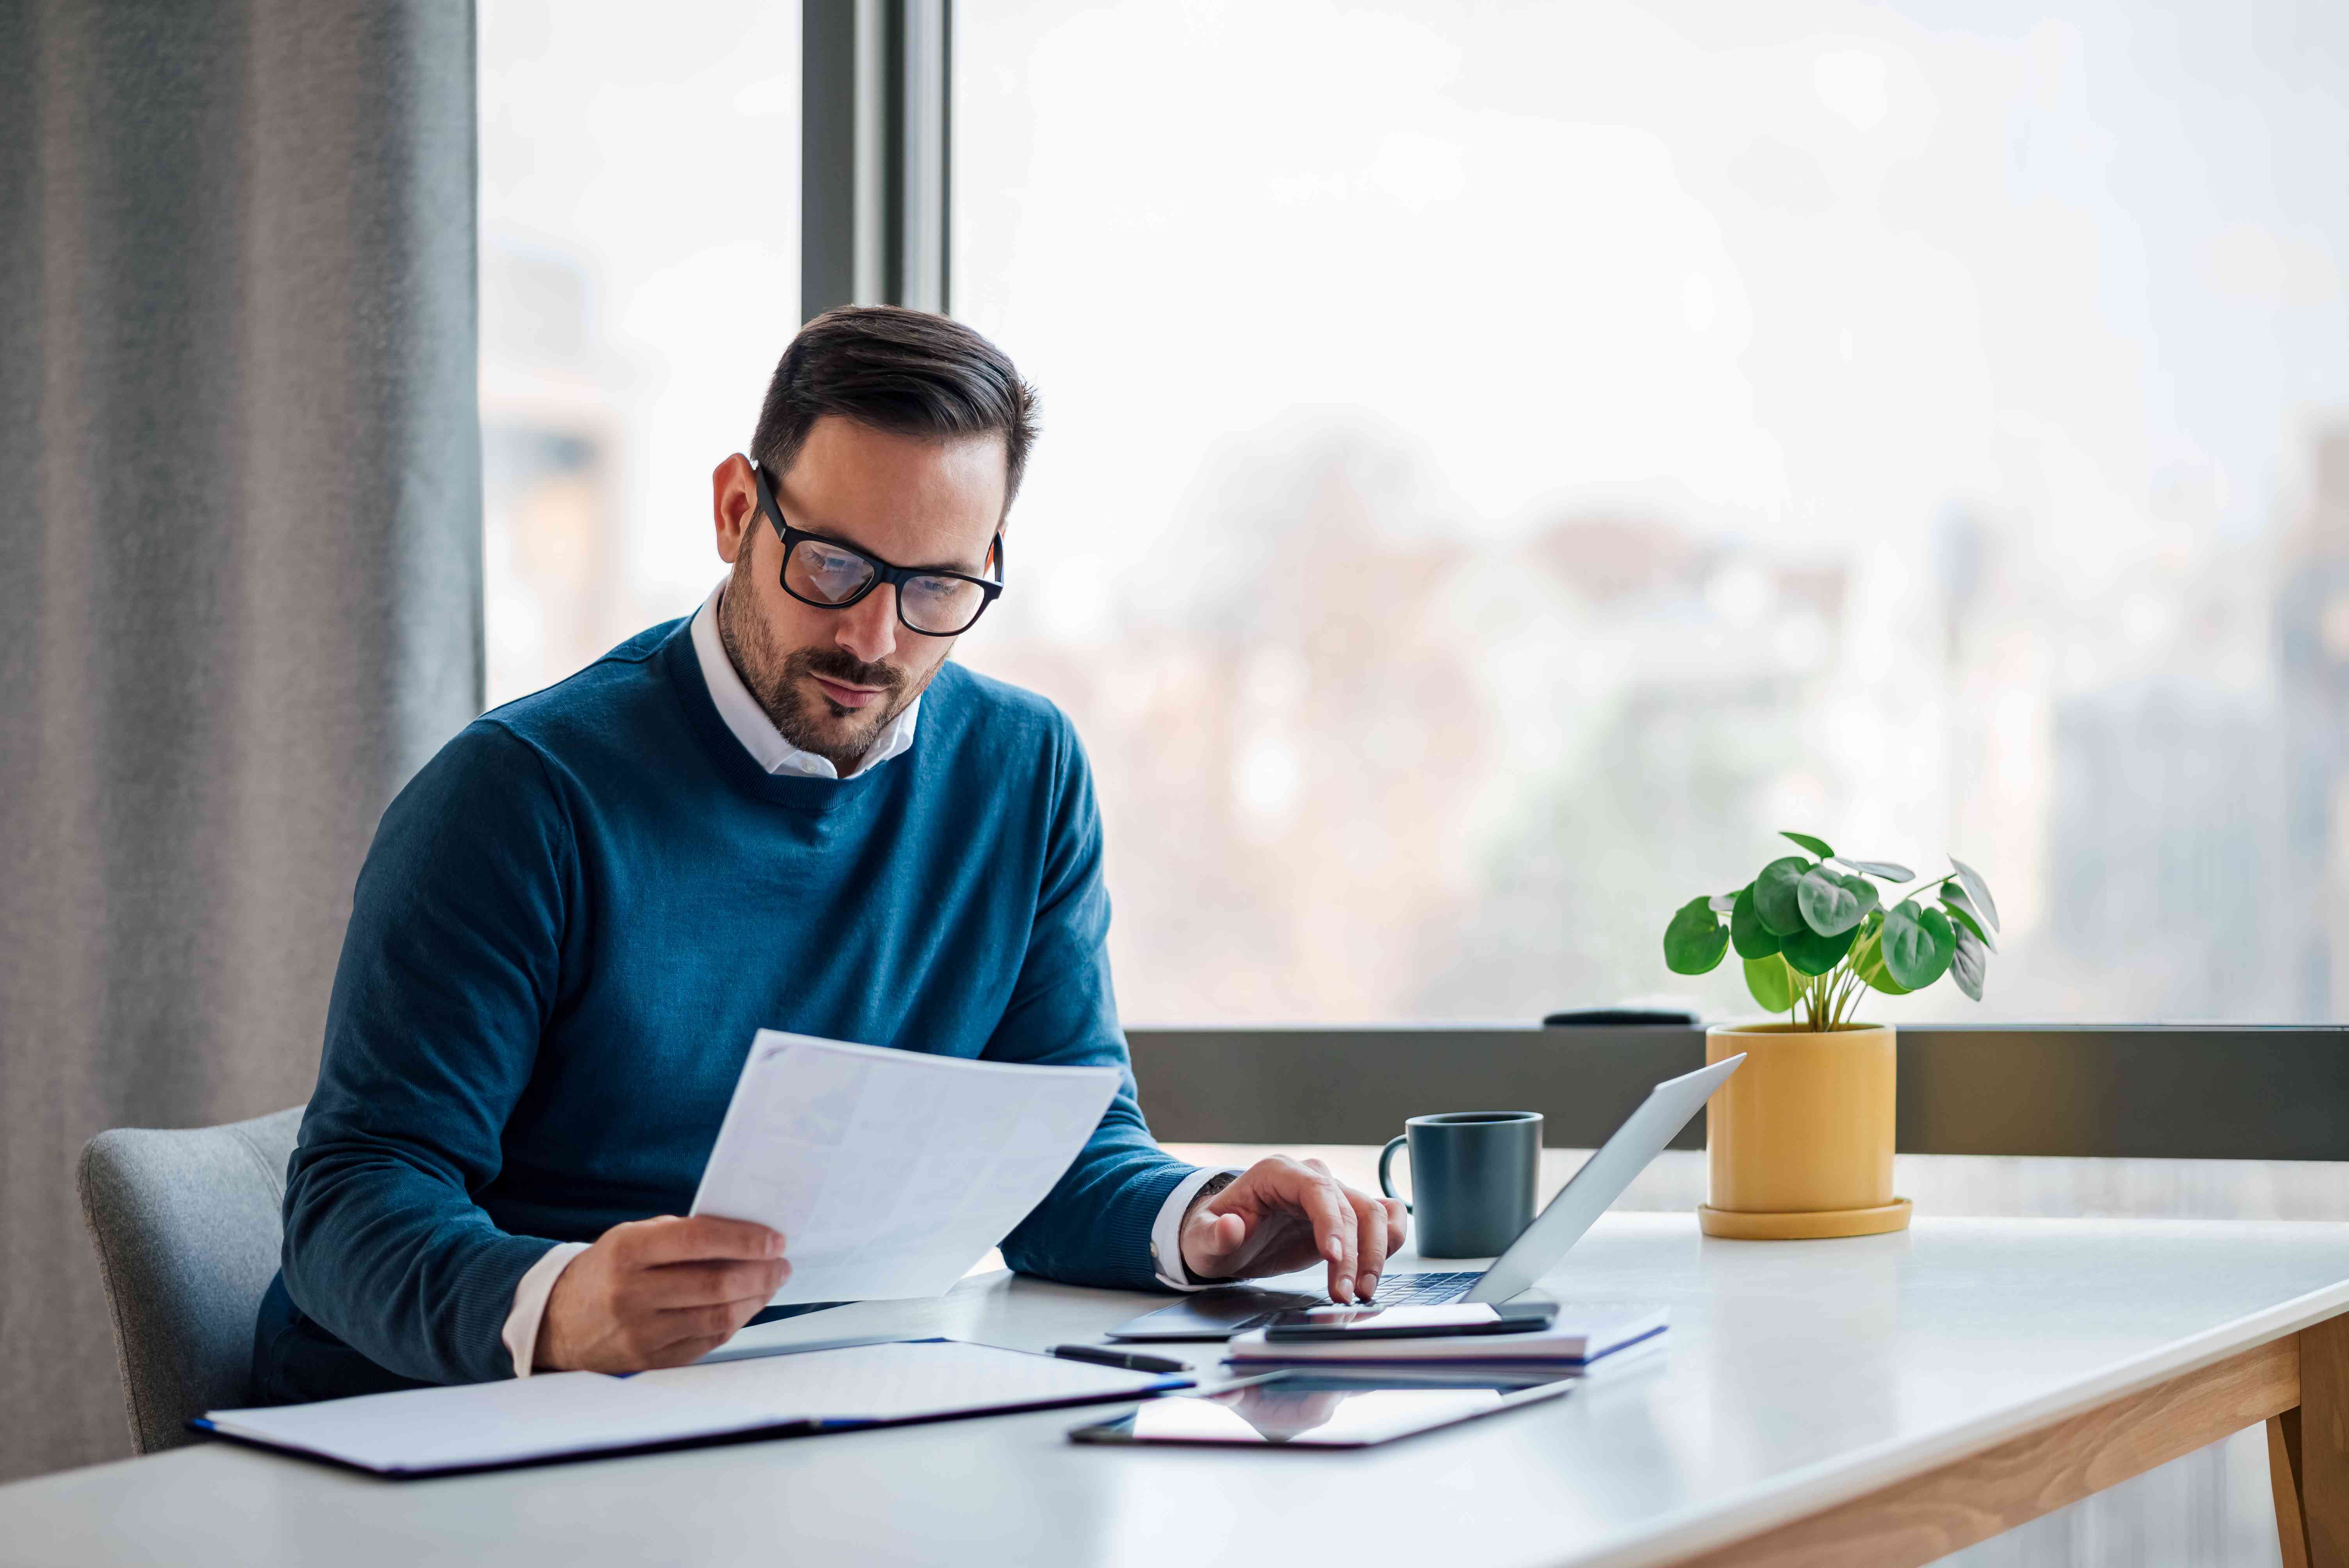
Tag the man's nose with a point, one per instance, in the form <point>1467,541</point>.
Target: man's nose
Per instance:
<point>868,628</point>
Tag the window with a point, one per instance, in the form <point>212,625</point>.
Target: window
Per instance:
<point>639,277</point>
<point>1502,463</point>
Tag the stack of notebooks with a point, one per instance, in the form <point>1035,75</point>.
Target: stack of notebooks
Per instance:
<point>1582,1334</point>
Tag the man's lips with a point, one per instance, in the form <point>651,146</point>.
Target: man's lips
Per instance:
<point>847,696</point>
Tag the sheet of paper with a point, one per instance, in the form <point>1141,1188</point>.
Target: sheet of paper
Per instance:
<point>891,1172</point>
<point>493,1423</point>
<point>896,1382</point>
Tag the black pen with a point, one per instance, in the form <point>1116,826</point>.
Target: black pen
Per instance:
<point>1102,1356</point>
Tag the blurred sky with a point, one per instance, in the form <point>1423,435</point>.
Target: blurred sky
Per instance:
<point>1816,268</point>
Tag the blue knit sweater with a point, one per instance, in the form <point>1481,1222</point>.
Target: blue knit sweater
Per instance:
<point>569,926</point>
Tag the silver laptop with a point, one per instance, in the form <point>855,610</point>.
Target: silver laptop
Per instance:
<point>1226,1310</point>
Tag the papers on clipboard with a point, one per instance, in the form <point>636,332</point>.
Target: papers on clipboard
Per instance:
<point>891,1172</point>
<point>563,1415</point>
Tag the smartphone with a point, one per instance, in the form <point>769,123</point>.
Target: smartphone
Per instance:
<point>1326,1323</point>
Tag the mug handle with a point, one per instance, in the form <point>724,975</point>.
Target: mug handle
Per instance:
<point>1386,1159</point>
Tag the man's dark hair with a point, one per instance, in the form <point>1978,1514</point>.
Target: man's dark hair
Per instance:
<point>904,371</point>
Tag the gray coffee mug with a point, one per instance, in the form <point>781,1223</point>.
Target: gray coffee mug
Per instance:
<point>1471,1178</point>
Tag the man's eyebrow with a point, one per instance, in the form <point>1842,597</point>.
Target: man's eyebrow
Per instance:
<point>958,568</point>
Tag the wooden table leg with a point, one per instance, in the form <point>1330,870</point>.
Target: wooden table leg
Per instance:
<point>2283,1474</point>
<point>2315,1447</point>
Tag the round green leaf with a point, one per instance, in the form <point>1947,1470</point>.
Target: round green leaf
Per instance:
<point>1746,933</point>
<point>1890,871</point>
<point>1695,940</point>
<point>1977,891</point>
<point>1775,899</point>
<point>1816,846</point>
<point>1863,890</point>
<point>1970,963</point>
<point>1830,908</point>
<point>1918,944</point>
<point>1867,961</point>
<point>1962,911</point>
<point>1811,954</point>
<point>1772,984</point>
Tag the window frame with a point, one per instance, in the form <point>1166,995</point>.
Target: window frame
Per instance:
<point>2187,1091</point>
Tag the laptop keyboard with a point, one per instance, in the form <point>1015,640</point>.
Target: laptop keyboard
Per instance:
<point>1219,1312</point>
<point>1423,1289</point>
<point>1394,1289</point>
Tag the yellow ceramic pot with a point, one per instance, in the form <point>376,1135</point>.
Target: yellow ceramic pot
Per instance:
<point>1798,1143</point>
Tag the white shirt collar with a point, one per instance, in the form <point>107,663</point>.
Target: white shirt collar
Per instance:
<point>749,722</point>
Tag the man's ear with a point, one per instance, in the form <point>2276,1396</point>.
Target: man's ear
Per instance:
<point>734,505</point>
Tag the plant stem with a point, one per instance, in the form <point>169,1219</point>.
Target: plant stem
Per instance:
<point>1845,990</point>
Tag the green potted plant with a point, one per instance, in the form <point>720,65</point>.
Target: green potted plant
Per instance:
<point>1799,1140</point>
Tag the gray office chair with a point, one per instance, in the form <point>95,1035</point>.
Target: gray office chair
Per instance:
<point>187,1226</point>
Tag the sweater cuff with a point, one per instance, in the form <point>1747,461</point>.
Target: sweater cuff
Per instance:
<point>1121,1250</point>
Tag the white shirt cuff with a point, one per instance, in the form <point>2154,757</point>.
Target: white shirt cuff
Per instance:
<point>1166,1236</point>
<point>520,1332</point>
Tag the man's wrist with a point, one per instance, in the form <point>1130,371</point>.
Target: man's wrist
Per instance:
<point>525,1333</point>
<point>1166,1260</point>
<point>1213,1185</point>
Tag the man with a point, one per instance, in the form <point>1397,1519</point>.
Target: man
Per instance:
<point>789,811</point>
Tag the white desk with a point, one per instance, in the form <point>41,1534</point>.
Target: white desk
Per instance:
<point>1878,1401</point>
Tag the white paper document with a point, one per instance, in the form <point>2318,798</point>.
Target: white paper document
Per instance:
<point>906,1382</point>
<point>891,1172</point>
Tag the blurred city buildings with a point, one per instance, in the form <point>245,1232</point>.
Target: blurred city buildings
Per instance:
<point>1363,769</point>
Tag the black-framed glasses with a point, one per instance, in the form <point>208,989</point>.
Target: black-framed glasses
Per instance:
<point>830,576</point>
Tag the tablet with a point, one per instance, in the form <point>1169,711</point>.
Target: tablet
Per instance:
<point>1316,1409</point>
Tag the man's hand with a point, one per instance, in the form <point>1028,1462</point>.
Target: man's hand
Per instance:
<point>658,1293</point>
<point>1283,1215</point>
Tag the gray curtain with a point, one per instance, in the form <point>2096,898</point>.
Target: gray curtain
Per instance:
<point>240,575</point>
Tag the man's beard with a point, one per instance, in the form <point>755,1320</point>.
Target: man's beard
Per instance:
<point>778,681</point>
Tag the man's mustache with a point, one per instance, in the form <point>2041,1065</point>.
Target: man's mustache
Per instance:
<point>839,665</point>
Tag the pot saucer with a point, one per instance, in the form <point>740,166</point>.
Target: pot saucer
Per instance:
<point>1810,1226</point>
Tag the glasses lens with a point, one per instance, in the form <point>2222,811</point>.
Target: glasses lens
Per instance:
<point>824,573</point>
<point>940,605</point>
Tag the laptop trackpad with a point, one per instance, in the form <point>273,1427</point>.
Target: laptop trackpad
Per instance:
<point>1211,1313</point>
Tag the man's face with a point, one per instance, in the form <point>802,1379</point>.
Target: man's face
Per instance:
<point>832,679</point>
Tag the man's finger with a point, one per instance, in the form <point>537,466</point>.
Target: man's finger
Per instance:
<point>1371,1226</point>
<point>701,1238</point>
<point>1325,1205</point>
<point>672,1285</point>
<point>1210,1243</point>
<point>684,1353</point>
<point>1398,1224</point>
<point>715,1324</point>
<point>1217,1236</point>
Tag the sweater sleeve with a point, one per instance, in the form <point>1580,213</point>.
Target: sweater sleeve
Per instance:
<point>1094,1226</point>
<point>448,971</point>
